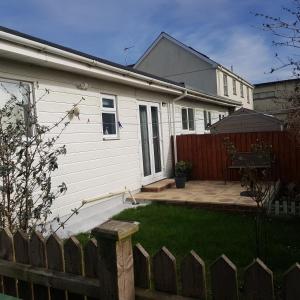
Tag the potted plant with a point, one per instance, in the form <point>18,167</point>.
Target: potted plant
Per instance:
<point>180,174</point>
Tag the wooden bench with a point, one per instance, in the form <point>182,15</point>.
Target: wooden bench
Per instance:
<point>243,160</point>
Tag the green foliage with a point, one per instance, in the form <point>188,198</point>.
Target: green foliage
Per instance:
<point>211,233</point>
<point>183,168</point>
<point>28,158</point>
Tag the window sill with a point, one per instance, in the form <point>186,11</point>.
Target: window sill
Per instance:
<point>111,138</point>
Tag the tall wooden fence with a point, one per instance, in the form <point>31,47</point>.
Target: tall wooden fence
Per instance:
<point>210,161</point>
<point>110,269</point>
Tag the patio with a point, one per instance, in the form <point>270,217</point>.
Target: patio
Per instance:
<point>208,194</point>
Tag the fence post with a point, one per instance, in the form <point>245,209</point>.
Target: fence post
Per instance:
<point>116,273</point>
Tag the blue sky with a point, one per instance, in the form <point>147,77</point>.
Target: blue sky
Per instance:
<point>225,30</point>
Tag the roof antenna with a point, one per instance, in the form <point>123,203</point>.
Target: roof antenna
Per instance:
<point>231,68</point>
<point>126,50</point>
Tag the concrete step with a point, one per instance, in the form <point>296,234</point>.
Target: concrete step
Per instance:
<point>159,186</point>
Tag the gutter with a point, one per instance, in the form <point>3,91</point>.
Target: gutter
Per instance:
<point>174,126</point>
<point>123,75</point>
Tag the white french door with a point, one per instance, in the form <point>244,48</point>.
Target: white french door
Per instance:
<point>151,146</point>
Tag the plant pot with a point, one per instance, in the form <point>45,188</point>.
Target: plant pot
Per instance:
<point>180,182</point>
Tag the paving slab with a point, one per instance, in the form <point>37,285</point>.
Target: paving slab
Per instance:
<point>206,193</point>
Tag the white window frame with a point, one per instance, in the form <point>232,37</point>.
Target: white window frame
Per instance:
<point>188,119</point>
<point>109,110</point>
<point>242,89</point>
<point>225,84</point>
<point>207,119</point>
<point>248,95</point>
<point>234,86</point>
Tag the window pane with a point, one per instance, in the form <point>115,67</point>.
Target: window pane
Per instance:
<point>145,140</point>
<point>242,90</point>
<point>107,103</point>
<point>109,123</point>
<point>205,118</point>
<point>21,92</point>
<point>191,119</point>
<point>209,118</point>
<point>156,140</point>
<point>225,85</point>
<point>184,119</point>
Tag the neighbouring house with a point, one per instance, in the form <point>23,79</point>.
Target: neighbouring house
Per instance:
<point>123,136</point>
<point>272,97</point>
<point>173,60</point>
<point>247,120</point>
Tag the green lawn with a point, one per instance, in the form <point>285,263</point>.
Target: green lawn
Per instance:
<point>210,234</point>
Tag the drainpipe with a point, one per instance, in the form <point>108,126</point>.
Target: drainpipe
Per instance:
<point>174,126</point>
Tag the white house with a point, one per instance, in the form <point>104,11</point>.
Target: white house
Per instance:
<point>173,60</point>
<point>123,136</point>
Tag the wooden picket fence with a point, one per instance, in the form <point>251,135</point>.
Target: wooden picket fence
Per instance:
<point>257,284</point>
<point>286,208</point>
<point>35,268</point>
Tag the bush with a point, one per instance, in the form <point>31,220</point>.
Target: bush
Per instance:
<point>183,169</point>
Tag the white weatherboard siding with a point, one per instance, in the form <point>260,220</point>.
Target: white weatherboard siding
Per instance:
<point>199,108</point>
<point>237,97</point>
<point>93,166</point>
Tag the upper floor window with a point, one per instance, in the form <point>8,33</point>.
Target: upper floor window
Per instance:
<point>109,116</point>
<point>248,95</point>
<point>188,119</point>
<point>264,95</point>
<point>225,83</point>
<point>234,86</point>
<point>242,90</point>
<point>207,119</point>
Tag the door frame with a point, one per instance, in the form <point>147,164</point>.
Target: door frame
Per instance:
<point>153,177</point>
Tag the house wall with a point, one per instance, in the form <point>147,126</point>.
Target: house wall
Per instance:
<point>171,61</point>
<point>273,98</point>
<point>92,167</point>
<point>246,102</point>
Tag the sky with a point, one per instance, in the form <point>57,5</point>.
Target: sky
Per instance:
<point>225,30</point>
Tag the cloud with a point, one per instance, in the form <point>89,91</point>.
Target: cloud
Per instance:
<point>249,52</point>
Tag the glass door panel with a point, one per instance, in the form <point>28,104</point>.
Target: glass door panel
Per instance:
<point>156,139</point>
<point>145,140</point>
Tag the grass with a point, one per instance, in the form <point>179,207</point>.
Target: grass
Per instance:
<point>211,234</point>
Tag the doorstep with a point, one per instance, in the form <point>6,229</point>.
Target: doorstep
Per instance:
<point>159,186</point>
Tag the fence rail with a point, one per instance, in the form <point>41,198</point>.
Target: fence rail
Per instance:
<point>208,154</point>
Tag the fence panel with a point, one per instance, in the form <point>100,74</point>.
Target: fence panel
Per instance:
<point>141,267</point>
<point>208,154</point>
<point>37,258</point>
<point>91,260</point>
<point>164,271</point>
<point>258,282</point>
<point>55,259</point>
<point>224,279</point>
<point>21,245</point>
<point>291,287</point>
<point>193,277</point>
<point>7,253</point>
<point>73,262</point>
